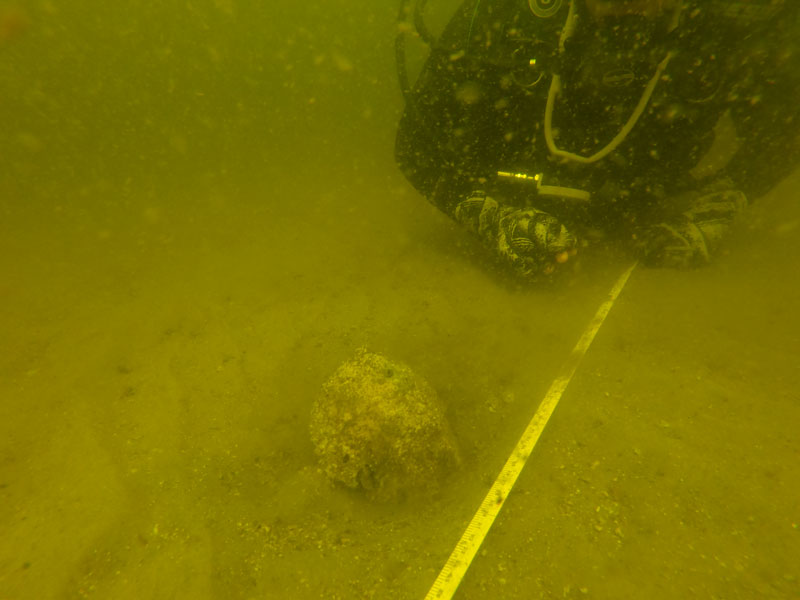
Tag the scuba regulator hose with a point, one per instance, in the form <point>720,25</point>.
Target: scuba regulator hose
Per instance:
<point>400,41</point>
<point>555,90</point>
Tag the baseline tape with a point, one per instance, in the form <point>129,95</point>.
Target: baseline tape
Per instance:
<point>460,559</point>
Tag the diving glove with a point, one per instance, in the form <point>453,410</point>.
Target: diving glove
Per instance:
<point>530,241</point>
<point>690,239</point>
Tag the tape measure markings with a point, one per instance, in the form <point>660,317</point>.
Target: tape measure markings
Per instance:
<point>467,547</point>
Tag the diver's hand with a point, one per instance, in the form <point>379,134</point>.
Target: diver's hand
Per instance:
<point>690,239</point>
<point>676,244</point>
<point>531,241</point>
<point>534,242</point>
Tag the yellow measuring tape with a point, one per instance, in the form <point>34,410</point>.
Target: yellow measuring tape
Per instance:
<point>456,566</point>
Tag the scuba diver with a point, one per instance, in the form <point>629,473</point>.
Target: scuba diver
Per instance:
<point>544,126</point>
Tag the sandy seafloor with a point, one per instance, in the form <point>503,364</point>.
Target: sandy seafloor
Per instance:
<point>158,368</point>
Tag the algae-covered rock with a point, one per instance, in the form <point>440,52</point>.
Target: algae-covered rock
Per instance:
<point>378,426</point>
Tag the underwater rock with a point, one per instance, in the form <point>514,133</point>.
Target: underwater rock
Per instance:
<point>379,427</point>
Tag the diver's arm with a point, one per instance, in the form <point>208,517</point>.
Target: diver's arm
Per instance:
<point>765,93</point>
<point>691,236</point>
<point>529,241</point>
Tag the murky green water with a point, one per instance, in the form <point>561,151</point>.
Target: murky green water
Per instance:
<point>200,219</point>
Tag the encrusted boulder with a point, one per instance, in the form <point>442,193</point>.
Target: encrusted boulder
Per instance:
<point>379,427</point>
